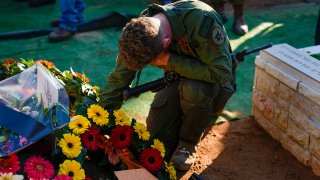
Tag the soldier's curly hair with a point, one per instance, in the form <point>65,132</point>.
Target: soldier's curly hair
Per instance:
<point>139,43</point>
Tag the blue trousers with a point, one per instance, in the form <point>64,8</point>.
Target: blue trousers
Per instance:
<point>71,14</point>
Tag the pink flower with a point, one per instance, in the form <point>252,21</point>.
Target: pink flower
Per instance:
<point>63,177</point>
<point>23,141</point>
<point>38,168</point>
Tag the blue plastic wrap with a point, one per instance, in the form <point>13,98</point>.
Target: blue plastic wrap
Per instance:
<point>33,104</point>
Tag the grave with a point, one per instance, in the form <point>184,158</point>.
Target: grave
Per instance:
<point>286,100</point>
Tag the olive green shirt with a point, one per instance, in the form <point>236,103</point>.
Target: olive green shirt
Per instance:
<point>199,50</point>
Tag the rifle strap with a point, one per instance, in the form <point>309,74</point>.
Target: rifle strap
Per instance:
<point>183,40</point>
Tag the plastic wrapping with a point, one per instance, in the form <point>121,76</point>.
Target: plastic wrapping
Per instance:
<point>33,104</point>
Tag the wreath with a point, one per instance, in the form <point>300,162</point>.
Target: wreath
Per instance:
<point>95,138</point>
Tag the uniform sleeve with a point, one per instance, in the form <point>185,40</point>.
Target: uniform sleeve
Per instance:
<point>213,64</point>
<point>118,80</point>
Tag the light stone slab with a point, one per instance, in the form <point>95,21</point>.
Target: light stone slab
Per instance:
<point>310,93</point>
<point>304,67</point>
<point>311,50</point>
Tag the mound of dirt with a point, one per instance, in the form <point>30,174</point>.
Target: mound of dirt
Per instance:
<point>243,150</point>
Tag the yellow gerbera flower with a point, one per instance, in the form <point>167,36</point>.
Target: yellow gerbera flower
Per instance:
<point>171,170</point>
<point>73,169</point>
<point>99,115</point>
<point>121,118</point>
<point>142,131</point>
<point>79,125</point>
<point>157,144</point>
<point>70,145</point>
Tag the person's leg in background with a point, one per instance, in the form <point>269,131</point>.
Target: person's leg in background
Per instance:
<point>239,26</point>
<point>71,16</point>
<point>218,6</point>
<point>317,35</point>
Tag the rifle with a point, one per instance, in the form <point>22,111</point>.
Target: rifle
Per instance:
<point>171,77</point>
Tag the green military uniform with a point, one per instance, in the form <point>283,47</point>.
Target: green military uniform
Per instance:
<point>200,52</point>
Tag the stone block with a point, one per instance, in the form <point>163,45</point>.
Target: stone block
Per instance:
<point>267,84</point>
<point>264,103</point>
<point>304,122</point>
<point>298,151</point>
<point>282,76</point>
<point>310,93</point>
<point>298,135</point>
<point>281,118</point>
<point>308,106</point>
<point>315,146</point>
<point>266,124</point>
<point>283,103</point>
<point>315,164</point>
<point>297,63</point>
<point>285,92</point>
<point>259,62</point>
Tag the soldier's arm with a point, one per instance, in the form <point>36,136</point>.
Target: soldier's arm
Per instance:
<point>119,79</point>
<point>213,64</point>
<point>210,44</point>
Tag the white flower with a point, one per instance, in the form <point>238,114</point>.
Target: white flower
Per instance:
<point>10,176</point>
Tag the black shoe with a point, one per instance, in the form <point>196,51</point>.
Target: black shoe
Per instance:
<point>37,3</point>
<point>184,156</point>
<point>60,34</point>
<point>240,27</point>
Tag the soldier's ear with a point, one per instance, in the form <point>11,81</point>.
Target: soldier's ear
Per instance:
<point>166,42</point>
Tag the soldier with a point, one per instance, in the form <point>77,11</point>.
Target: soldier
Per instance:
<point>239,25</point>
<point>186,37</point>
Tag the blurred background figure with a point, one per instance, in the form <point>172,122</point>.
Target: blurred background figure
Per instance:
<point>317,36</point>
<point>162,1</point>
<point>71,16</point>
<point>37,3</point>
<point>239,25</point>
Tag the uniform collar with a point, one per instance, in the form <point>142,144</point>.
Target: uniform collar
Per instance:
<point>176,24</point>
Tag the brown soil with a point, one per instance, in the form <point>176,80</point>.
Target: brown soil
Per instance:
<point>242,150</point>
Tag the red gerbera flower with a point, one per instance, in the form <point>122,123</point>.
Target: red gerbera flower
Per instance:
<point>90,138</point>
<point>151,159</point>
<point>9,164</point>
<point>105,144</point>
<point>38,168</point>
<point>63,177</point>
<point>87,178</point>
<point>121,136</point>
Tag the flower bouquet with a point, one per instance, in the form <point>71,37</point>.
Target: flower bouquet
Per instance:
<point>33,104</point>
<point>96,143</point>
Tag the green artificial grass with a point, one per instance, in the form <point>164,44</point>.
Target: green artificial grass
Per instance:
<point>94,53</point>
<point>317,56</point>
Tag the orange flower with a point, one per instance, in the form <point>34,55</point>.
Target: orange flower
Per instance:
<point>81,76</point>
<point>8,62</point>
<point>46,63</point>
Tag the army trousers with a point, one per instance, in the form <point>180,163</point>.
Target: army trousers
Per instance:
<point>183,111</point>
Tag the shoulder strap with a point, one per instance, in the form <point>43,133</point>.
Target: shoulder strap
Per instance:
<point>183,40</point>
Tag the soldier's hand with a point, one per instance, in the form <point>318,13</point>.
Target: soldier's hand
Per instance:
<point>161,60</point>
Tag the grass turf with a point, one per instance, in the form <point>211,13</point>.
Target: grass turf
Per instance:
<point>94,53</point>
